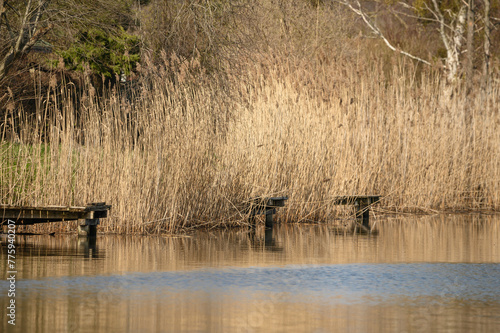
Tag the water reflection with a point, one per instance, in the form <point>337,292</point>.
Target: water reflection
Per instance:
<point>419,274</point>
<point>264,239</point>
<point>88,247</point>
<point>51,246</point>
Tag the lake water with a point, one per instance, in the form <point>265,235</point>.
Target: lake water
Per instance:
<point>426,274</point>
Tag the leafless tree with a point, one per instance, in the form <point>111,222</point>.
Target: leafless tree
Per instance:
<point>24,22</point>
<point>24,25</point>
<point>450,25</point>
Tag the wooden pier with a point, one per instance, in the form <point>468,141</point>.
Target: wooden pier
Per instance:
<point>90,214</point>
<point>362,204</point>
<point>26,215</point>
<point>267,206</point>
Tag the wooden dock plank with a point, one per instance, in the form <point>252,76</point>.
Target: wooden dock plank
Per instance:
<point>28,215</point>
<point>356,199</point>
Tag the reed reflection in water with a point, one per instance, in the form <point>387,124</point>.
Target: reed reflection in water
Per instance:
<point>415,275</point>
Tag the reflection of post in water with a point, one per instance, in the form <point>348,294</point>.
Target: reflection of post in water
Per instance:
<point>268,242</point>
<point>88,246</point>
<point>268,237</point>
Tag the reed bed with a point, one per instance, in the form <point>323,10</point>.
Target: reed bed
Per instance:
<point>186,150</point>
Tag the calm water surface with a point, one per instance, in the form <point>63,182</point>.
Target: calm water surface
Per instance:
<point>431,274</point>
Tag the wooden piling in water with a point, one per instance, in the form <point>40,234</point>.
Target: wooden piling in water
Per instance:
<point>266,206</point>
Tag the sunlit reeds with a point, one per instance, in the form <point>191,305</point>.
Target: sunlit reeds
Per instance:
<point>187,150</point>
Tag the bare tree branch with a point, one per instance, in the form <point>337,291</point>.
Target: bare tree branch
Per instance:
<point>439,15</point>
<point>377,31</point>
<point>450,26</point>
<point>13,9</point>
<point>3,17</point>
<point>28,34</point>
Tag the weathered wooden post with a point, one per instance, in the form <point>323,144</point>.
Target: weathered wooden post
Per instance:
<point>95,211</point>
<point>363,212</point>
<point>88,227</point>
<point>362,204</point>
<point>269,218</point>
<point>265,206</point>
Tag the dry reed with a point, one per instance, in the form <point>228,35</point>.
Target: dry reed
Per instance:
<point>187,150</point>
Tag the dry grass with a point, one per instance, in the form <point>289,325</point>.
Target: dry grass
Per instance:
<point>187,150</point>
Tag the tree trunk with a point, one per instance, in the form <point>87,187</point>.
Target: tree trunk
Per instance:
<point>453,53</point>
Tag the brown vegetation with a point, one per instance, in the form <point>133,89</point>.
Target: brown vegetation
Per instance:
<point>311,118</point>
<point>184,153</point>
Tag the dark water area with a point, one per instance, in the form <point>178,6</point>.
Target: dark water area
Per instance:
<point>426,274</point>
